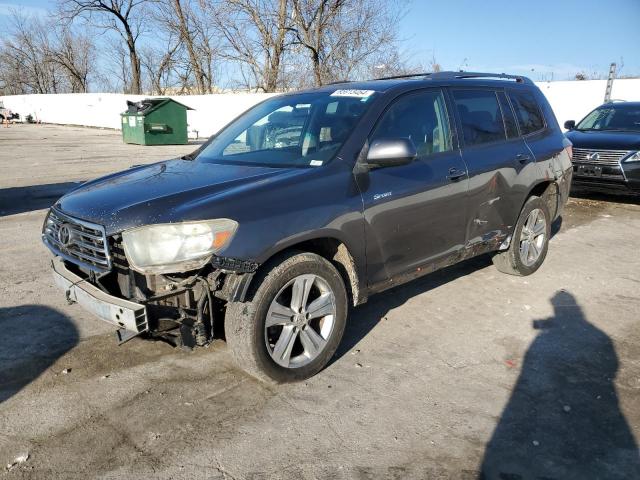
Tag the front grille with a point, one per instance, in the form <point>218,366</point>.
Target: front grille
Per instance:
<point>598,157</point>
<point>78,241</point>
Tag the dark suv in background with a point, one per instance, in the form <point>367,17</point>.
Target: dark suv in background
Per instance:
<point>311,202</point>
<point>606,147</point>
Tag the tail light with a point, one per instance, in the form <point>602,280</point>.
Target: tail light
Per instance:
<point>569,150</point>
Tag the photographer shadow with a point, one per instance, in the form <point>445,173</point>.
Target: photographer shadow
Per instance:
<point>563,420</point>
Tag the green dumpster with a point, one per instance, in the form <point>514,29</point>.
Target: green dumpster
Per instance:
<point>155,121</point>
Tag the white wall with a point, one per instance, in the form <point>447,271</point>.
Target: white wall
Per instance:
<point>211,112</point>
<point>571,100</point>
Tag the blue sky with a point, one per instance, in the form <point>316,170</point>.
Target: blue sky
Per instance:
<point>546,39</point>
<point>559,36</point>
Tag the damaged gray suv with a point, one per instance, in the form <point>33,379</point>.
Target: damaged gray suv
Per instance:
<point>309,203</point>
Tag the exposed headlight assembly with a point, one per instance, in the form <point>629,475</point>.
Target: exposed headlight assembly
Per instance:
<point>176,247</point>
<point>634,157</point>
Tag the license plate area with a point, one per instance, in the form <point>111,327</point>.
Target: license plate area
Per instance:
<point>589,171</point>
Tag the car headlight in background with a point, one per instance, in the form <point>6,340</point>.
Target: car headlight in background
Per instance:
<point>634,157</point>
<point>176,247</point>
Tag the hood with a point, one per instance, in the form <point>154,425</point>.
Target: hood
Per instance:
<point>604,140</point>
<point>162,192</point>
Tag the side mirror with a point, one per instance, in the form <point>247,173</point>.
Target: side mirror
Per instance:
<point>391,152</point>
<point>570,124</point>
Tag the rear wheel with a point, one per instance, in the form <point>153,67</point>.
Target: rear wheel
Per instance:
<point>294,322</point>
<point>530,240</point>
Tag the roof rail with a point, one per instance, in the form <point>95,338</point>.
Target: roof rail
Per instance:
<point>408,75</point>
<point>339,81</point>
<point>460,75</point>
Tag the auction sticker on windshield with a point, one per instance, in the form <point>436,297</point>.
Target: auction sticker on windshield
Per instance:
<point>353,93</point>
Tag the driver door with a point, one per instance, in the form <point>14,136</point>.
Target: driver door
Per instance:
<point>415,214</point>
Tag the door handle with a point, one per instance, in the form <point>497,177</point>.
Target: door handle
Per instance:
<point>523,158</point>
<point>455,174</point>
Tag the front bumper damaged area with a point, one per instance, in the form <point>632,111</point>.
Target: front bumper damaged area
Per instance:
<point>128,317</point>
<point>185,310</point>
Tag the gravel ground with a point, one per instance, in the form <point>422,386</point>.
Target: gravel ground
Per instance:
<point>535,377</point>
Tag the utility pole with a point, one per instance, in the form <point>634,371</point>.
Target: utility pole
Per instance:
<point>612,76</point>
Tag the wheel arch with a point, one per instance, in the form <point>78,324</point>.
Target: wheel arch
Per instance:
<point>549,191</point>
<point>331,249</point>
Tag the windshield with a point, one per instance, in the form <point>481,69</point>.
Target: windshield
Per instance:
<point>613,117</point>
<point>303,130</point>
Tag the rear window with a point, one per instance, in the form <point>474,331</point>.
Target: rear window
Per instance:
<point>480,116</point>
<point>528,112</point>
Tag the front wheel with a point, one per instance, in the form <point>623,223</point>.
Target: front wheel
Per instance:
<point>530,240</point>
<point>294,322</point>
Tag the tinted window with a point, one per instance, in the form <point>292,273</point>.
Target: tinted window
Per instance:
<point>480,116</point>
<point>528,112</point>
<point>421,117</point>
<point>291,130</point>
<point>508,116</point>
<point>612,117</point>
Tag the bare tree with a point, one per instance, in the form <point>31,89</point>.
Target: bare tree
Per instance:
<point>434,65</point>
<point>159,66</point>
<point>122,16</point>
<point>186,21</point>
<point>24,57</point>
<point>262,45</point>
<point>388,63</point>
<point>313,22</point>
<point>74,54</point>
<point>255,36</point>
<point>343,37</point>
<point>117,74</point>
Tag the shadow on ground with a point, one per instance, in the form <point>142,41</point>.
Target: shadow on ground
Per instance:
<point>603,195</point>
<point>563,420</point>
<point>33,338</point>
<point>363,319</point>
<point>34,197</point>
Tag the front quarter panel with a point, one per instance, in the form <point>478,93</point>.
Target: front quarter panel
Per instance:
<point>318,203</point>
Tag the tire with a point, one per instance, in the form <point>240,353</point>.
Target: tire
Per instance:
<point>255,347</point>
<point>512,261</point>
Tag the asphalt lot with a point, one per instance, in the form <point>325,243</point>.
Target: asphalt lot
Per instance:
<point>535,377</point>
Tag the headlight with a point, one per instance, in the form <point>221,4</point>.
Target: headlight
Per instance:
<point>176,247</point>
<point>634,157</point>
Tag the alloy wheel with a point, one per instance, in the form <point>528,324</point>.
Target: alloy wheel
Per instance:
<point>300,321</point>
<point>532,237</point>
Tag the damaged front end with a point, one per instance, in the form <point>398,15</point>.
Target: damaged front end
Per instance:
<point>184,308</point>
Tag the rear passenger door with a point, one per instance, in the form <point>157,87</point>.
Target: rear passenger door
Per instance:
<point>415,213</point>
<point>496,157</point>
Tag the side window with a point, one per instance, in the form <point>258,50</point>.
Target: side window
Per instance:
<point>480,115</point>
<point>528,112</point>
<point>421,117</point>
<point>508,116</point>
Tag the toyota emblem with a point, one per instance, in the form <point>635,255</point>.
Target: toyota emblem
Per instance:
<point>64,235</point>
<point>593,157</point>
